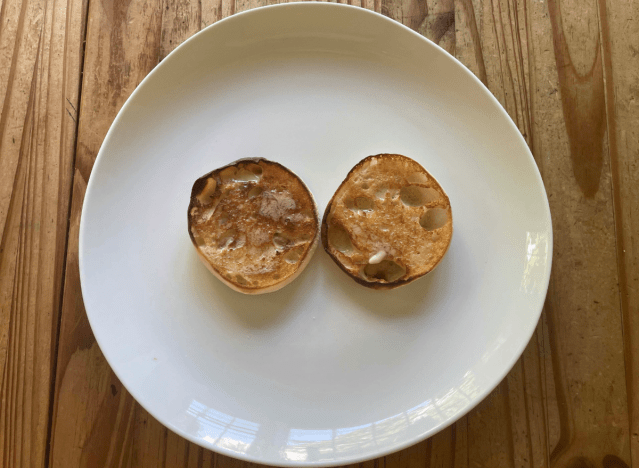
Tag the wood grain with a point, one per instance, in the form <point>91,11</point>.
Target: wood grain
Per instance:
<point>41,44</point>
<point>620,33</point>
<point>565,70</point>
<point>94,419</point>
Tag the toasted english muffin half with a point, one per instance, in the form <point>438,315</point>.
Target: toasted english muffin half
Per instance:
<point>388,223</point>
<point>254,224</point>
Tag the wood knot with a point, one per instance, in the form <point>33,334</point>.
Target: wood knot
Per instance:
<point>580,462</point>
<point>613,461</point>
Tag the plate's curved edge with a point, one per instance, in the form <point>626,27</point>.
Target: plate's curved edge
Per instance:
<point>410,441</point>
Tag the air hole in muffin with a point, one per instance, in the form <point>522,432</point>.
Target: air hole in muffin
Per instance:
<point>206,195</point>
<point>244,175</point>
<point>434,218</point>
<point>226,239</point>
<point>417,178</point>
<point>339,239</point>
<point>255,191</point>
<point>364,204</point>
<point>381,191</point>
<point>280,240</point>
<point>414,195</point>
<point>386,270</point>
<point>255,169</point>
<point>293,256</point>
<point>227,174</point>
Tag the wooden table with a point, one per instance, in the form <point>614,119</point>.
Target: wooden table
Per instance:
<point>567,71</point>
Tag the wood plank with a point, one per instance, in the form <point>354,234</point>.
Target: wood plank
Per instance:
<point>619,33</point>
<point>22,23</point>
<point>94,419</point>
<point>41,44</point>
<point>468,46</point>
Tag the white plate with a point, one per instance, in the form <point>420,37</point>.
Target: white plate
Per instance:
<point>324,371</point>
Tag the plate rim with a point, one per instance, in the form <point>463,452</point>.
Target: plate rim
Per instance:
<point>408,441</point>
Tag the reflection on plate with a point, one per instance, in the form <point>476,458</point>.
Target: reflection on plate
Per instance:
<point>324,371</point>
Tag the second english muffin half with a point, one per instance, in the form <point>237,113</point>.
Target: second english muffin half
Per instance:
<point>389,222</point>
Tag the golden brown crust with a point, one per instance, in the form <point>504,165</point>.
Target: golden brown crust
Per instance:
<point>388,223</point>
<point>254,224</point>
